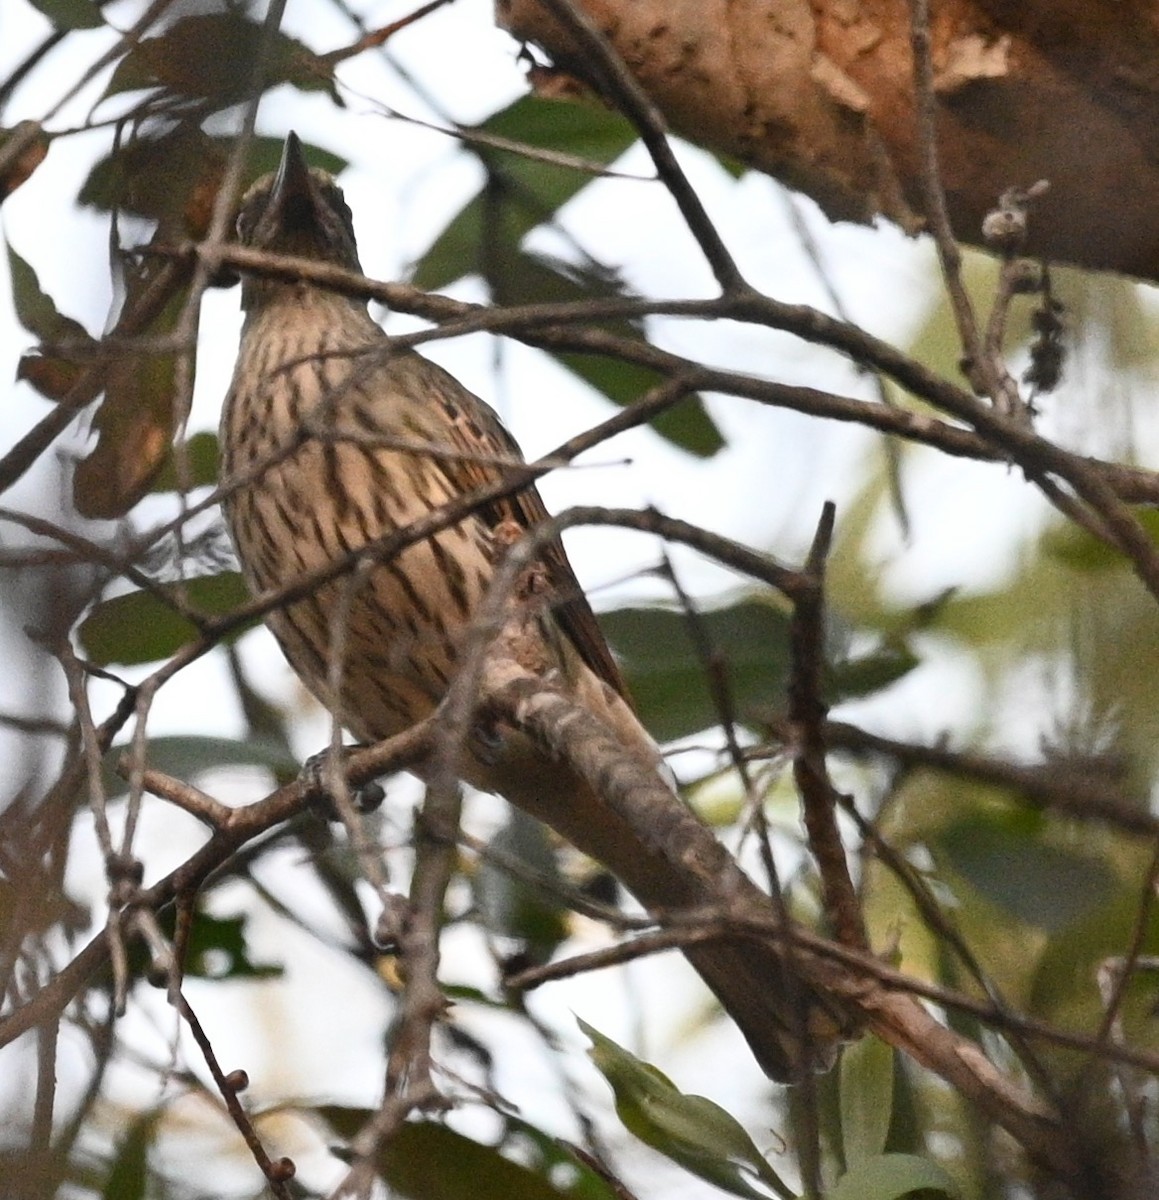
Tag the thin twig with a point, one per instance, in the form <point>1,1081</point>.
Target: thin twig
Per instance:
<point>183,795</point>
<point>987,374</point>
<point>546,326</point>
<point>599,57</point>
<point>807,713</point>
<point>367,852</point>
<point>942,925</point>
<point>1084,790</point>
<point>278,1172</point>
<point>1130,961</point>
<point>375,38</point>
<point>692,927</point>
<point>715,670</point>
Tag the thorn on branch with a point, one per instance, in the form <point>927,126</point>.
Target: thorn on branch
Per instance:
<point>822,539</point>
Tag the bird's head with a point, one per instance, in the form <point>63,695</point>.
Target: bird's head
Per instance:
<point>298,210</point>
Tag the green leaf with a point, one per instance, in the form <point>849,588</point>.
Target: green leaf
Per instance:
<point>185,757</point>
<point>1006,858</point>
<point>1061,990</point>
<point>425,1161</point>
<point>521,193</point>
<point>211,55</point>
<point>690,1130</point>
<point>518,194</point>
<point>35,309</point>
<point>155,176</point>
<point>129,1172</point>
<point>686,424</point>
<point>511,908</point>
<point>869,673</point>
<point>667,677</point>
<point>889,1176</point>
<point>530,279</point>
<point>140,628</point>
<point>70,14</point>
<point>201,457</point>
<point>455,252</point>
<point>521,278</point>
<point>590,131</point>
<point>164,174</point>
<point>1084,552</point>
<point>866,1096</point>
<point>217,950</point>
<point>540,279</point>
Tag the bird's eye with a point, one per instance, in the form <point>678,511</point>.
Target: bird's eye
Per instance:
<point>249,212</point>
<point>336,200</point>
<point>245,223</point>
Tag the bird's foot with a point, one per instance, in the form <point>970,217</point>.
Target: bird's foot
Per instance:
<point>487,741</point>
<point>316,779</point>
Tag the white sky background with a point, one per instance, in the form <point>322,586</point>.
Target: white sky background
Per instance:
<point>765,488</point>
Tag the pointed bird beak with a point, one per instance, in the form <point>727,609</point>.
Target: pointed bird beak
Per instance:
<point>293,193</point>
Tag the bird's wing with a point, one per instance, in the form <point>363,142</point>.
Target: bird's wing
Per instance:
<point>477,431</point>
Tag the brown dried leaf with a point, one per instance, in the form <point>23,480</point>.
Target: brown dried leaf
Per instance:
<point>57,378</point>
<point>135,422</point>
<point>22,149</point>
<point>172,179</point>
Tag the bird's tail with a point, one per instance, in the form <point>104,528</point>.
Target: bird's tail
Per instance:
<point>601,791</point>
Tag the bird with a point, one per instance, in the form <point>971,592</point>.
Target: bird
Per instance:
<point>331,437</point>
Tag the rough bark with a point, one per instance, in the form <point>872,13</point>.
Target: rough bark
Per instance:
<point>820,95</point>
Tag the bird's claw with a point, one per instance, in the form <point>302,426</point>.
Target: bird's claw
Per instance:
<point>315,779</point>
<point>487,741</point>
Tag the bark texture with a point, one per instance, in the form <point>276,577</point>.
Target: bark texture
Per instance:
<point>820,95</point>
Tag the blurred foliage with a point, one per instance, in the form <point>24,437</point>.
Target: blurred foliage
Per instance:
<point>663,654</point>
<point>690,1130</point>
<point>1064,643</point>
<point>426,1161</point>
<point>866,1099</point>
<point>211,57</point>
<point>140,627</point>
<point>215,948</point>
<point>511,908</point>
<point>522,191</point>
<point>193,463</point>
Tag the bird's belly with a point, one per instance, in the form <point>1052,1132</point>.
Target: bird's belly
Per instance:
<point>383,637</point>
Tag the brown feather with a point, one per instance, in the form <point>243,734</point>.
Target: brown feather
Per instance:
<point>472,423</point>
